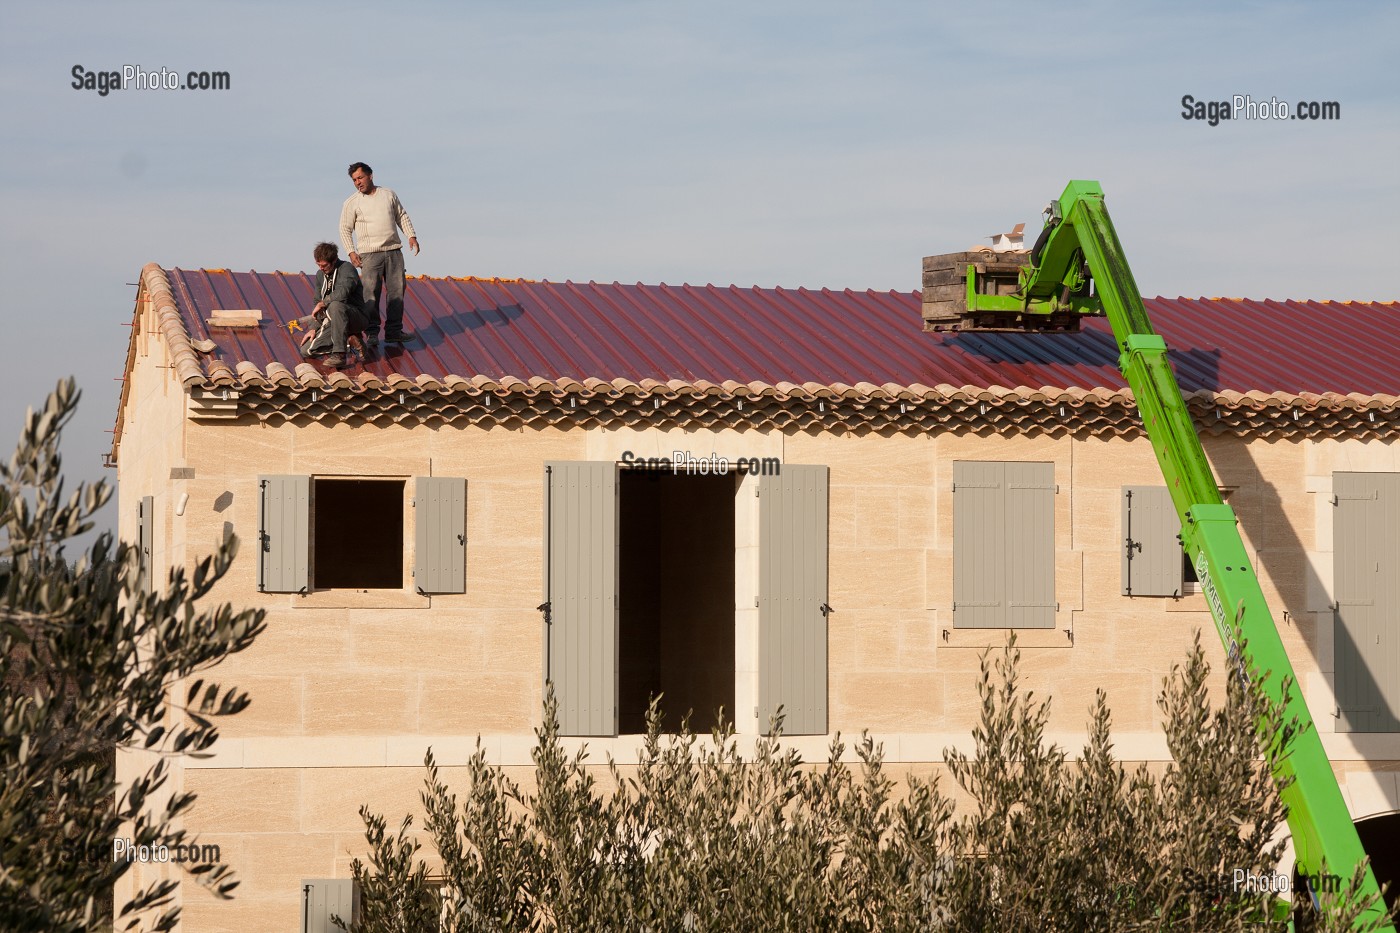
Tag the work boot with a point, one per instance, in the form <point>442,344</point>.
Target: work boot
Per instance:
<point>334,360</point>
<point>403,337</point>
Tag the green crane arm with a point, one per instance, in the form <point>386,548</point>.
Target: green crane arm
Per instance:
<point>1080,246</point>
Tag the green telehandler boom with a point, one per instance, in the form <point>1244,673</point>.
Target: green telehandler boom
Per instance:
<point>1078,268</point>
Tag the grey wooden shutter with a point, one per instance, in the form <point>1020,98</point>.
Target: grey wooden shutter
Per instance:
<point>581,589</point>
<point>1366,634</point>
<point>1151,552</point>
<point>321,900</point>
<point>1030,537</point>
<point>1003,544</point>
<point>979,544</point>
<point>145,540</point>
<point>284,534</point>
<point>440,534</point>
<point>792,588</point>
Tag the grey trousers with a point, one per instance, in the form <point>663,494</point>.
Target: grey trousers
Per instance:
<point>339,321</point>
<point>383,272</point>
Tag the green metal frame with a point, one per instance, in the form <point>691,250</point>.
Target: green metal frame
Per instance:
<point>1081,245</point>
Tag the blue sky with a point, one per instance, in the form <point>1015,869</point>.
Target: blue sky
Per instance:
<point>812,144</point>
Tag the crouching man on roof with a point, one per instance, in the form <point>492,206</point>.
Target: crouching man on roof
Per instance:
<point>340,312</point>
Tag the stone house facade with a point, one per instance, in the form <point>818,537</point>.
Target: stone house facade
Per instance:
<point>739,497</point>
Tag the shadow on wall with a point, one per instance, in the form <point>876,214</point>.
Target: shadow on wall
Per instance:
<point>1280,550</point>
<point>1282,553</point>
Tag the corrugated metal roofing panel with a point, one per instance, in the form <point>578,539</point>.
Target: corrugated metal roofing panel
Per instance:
<point>566,330</point>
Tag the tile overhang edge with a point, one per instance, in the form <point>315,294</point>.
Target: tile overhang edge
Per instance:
<point>183,356</point>
<point>977,409</point>
<point>154,287</point>
<point>426,387</point>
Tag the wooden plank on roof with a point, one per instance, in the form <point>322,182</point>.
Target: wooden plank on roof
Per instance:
<point>234,317</point>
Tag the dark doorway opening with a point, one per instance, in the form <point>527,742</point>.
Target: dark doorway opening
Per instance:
<point>357,538</point>
<point>1380,837</point>
<point>676,597</point>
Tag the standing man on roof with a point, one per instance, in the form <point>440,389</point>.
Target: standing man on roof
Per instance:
<point>367,231</point>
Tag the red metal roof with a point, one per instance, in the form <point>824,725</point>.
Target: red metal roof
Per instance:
<point>554,330</point>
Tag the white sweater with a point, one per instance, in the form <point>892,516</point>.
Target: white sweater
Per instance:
<point>372,219</point>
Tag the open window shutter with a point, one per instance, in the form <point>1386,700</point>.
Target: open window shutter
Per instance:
<point>440,534</point>
<point>284,538</point>
<point>581,584</point>
<point>1151,555</point>
<point>792,650</point>
<point>322,900</point>
<point>145,540</point>
<point>1366,634</point>
<point>979,544</point>
<point>1030,540</point>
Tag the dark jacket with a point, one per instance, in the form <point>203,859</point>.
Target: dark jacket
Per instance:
<point>345,287</point>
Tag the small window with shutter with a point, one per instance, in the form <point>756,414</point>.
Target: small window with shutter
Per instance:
<point>284,534</point>
<point>326,899</point>
<point>440,538</point>
<point>1003,544</point>
<point>1151,557</point>
<point>348,533</point>
<point>357,534</point>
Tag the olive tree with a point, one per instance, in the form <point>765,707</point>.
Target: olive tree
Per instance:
<point>698,837</point>
<point>89,654</point>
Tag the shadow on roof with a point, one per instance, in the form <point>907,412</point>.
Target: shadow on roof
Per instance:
<point>1195,368</point>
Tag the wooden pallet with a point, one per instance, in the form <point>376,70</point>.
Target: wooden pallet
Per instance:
<point>945,287</point>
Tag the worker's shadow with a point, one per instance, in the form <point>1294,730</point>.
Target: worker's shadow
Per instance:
<point>462,321</point>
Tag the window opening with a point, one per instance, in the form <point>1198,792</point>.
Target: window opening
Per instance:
<point>357,539</point>
<point>1190,583</point>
